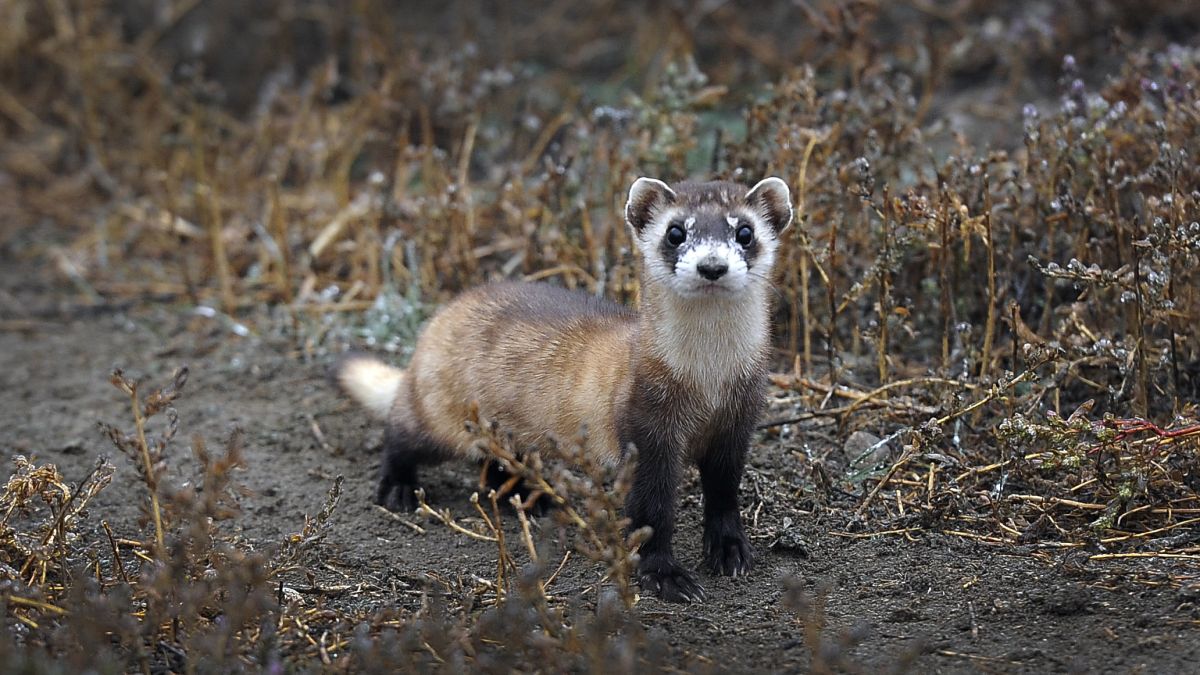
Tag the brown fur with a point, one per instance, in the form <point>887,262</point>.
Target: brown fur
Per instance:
<point>544,363</point>
<point>680,381</point>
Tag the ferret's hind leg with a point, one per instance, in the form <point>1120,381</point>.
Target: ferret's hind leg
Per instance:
<point>404,451</point>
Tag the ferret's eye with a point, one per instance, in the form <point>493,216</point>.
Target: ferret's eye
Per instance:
<point>676,235</point>
<point>744,236</point>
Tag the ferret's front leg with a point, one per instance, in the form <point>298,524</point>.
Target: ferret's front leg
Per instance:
<point>726,549</point>
<point>651,501</point>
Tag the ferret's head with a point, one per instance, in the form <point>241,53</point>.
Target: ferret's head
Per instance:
<point>713,239</point>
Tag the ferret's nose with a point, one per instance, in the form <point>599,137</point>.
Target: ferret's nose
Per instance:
<point>712,269</point>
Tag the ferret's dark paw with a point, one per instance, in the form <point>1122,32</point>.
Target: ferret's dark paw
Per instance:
<point>664,577</point>
<point>397,497</point>
<point>726,550</point>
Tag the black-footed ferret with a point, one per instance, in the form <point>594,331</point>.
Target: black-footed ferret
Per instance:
<point>681,379</point>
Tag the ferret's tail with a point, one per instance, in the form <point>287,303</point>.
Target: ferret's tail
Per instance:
<point>369,381</point>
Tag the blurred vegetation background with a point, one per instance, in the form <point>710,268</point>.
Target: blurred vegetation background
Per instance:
<point>994,264</point>
<point>359,155</point>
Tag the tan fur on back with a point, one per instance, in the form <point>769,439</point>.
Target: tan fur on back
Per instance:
<point>542,379</point>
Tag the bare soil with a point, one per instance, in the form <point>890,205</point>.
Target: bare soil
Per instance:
<point>929,602</point>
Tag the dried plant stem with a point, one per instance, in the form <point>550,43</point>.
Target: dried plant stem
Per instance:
<point>881,350</point>
<point>873,535</point>
<point>995,392</point>
<point>1048,302</point>
<point>989,330</point>
<point>116,551</point>
<point>463,233</point>
<point>831,297</point>
<point>1054,501</point>
<point>212,214</point>
<point>279,232</point>
<point>1148,533</point>
<point>884,481</point>
<point>1148,554</point>
<point>464,171</point>
<point>37,604</point>
<point>537,483</point>
<point>1173,350</point>
<point>809,256</point>
<point>503,561</point>
<point>944,279</point>
<point>550,579</point>
<point>407,523</point>
<point>445,519</point>
<point>341,172</point>
<point>804,308</point>
<point>801,205</point>
<point>1141,389</point>
<point>148,468</point>
<point>526,537</point>
<point>492,526</point>
<point>870,395</point>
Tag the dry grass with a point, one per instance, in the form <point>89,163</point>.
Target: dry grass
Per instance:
<point>1015,321</point>
<point>193,596</point>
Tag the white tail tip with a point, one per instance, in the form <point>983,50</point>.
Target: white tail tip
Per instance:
<point>372,383</point>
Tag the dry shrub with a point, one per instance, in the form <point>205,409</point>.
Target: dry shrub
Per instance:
<point>192,596</point>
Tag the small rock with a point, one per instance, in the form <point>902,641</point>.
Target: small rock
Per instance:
<point>1068,601</point>
<point>292,596</point>
<point>869,447</point>
<point>790,542</point>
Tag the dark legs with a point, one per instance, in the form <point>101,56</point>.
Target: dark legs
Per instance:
<point>726,549</point>
<point>403,452</point>
<point>651,501</point>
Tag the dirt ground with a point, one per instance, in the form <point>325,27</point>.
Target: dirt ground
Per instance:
<point>937,603</point>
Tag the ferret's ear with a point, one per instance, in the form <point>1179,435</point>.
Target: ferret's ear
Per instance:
<point>646,198</point>
<point>773,200</point>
